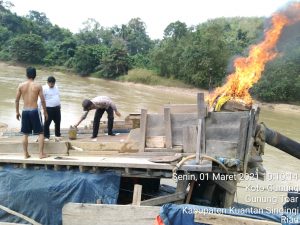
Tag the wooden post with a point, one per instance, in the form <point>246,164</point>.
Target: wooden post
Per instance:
<point>56,167</point>
<point>168,128</point>
<point>181,189</point>
<point>200,149</point>
<point>199,142</point>
<point>201,105</point>
<point>249,140</point>
<point>137,195</point>
<point>189,196</point>
<point>242,138</point>
<point>143,128</point>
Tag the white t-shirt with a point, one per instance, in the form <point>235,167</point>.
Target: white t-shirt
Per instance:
<point>51,96</point>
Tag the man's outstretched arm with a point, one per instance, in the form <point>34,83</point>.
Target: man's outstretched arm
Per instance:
<point>82,118</point>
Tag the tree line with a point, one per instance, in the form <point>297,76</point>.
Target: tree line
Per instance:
<point>198,55</point>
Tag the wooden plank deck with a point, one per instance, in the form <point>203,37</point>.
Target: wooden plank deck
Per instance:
<point>115,161</point>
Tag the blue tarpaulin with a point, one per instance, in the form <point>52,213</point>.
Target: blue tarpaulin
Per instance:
<point>172,214</point>
<point>41,194</point>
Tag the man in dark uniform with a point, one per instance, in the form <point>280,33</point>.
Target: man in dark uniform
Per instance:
<point>101,104</point>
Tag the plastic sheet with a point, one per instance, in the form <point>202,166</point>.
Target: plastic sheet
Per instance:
<point>184,214</point>
<point>41,194</point>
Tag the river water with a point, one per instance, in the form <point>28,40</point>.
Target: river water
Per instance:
<point>73,89</point>
<point>131,98</point>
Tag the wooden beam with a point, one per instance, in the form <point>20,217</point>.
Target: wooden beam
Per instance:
<point>216,219</point>
<point>96,214</point>
<point>164,150</point>
<point>179,196</point>
<point>143,126</point>
<point>115,162</point>
<point>137,195</point>
<point>168,128</point>
<point>182,108</point>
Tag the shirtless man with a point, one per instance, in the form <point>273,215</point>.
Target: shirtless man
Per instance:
<point>31,117</point>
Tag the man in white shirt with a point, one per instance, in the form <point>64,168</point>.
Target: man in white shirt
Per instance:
<point>101,104</point>
<point>52,98</point>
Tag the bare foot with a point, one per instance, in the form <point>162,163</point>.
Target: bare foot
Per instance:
<point>43,156</point>
<point>27,156</point>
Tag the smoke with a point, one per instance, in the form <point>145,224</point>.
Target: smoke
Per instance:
<point>291,11</point>
<point>290,36</point>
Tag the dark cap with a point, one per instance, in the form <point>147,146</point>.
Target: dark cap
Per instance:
<point>51,79</point>
<point>86,104</point>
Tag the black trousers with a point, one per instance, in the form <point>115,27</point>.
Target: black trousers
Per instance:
<point>97,118</point>
<point>53,114</point>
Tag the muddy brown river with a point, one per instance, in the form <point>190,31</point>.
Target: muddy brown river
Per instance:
<point>130,98</point>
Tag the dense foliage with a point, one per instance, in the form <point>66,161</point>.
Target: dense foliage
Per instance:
<point>199,55</point>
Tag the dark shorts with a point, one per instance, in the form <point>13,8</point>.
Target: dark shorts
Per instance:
<point>31,122</point>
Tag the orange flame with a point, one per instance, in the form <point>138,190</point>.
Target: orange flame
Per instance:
<point>248,70</point>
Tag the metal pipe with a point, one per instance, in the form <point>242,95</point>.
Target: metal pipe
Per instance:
<point>282,142</point>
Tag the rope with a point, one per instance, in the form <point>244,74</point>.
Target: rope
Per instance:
<point>179,164</point>
<point>19,215</point>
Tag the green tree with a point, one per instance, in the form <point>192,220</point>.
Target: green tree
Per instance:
<point>5,35</point>
<point>90,34</point>
<point>88,58</point>
<point>27,48</point>
<point>116,61</point>
<point>176,30</point>
<point>39,18</point>
<point>135,36</point>
<point>280,81</point>
<point>59,53</point>
<point>13,23</point>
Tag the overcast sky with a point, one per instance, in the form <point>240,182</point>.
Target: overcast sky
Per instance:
<point>156,14</point>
